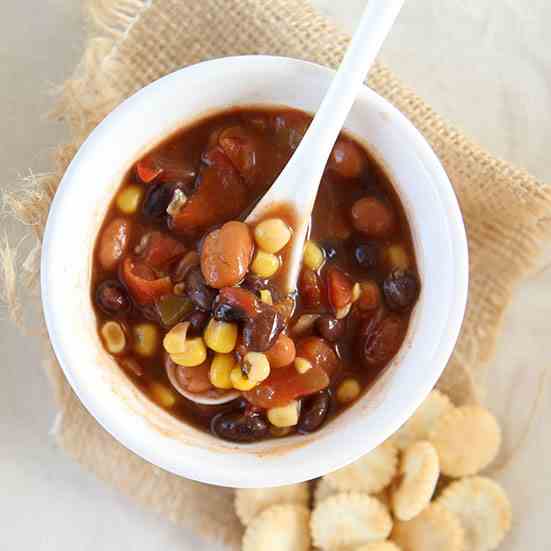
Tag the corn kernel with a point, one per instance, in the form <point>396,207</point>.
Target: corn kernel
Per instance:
<point>284,416</point>
<point>194,354</point>
<point>175,340</point>
<point>343,312</point>
<point>348,391</point>
<point>220,369</point>
<point>128,200</point>
<point>266,296</point>
<point>272,235</point>
<point>220,336</point>
<point>265,264</point>
<point>256,366</point>
<point>397,257</point>
<point>162,395</point>
<point>113,337</point>
<point>356,292</point>
<point>302,365</point>
<point>146,339</point>
<point>313,256</point>
<point>239,381</point>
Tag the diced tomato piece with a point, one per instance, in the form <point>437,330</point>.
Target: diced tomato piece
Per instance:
<point>319,352</point>
<point>241,299</point>
<point>339,288</point>
<point>147,170</point>
<point>161,249</point>
<point>310,288</point>
<point>221,195</point>
<point>239,145</point>
<point>141,282</point>
<point>286,384</point>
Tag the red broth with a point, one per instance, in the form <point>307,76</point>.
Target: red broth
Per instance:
<point>181,283</point>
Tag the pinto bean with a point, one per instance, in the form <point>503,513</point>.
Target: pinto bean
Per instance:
<point>226,255</point>
<point>114,243</point>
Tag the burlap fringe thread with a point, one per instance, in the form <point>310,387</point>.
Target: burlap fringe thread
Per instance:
<point>95,89</point>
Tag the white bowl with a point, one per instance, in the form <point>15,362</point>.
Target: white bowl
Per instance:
<point>80,205</point>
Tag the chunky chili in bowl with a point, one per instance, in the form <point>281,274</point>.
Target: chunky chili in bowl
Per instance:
<point>188,297</point>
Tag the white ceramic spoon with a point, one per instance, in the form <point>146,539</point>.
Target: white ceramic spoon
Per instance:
<point>299,181</point>
<point>207,398</point>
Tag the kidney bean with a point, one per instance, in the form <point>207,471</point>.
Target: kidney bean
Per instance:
<point>262,331</point>
<point>112,298</point>
<point>238,427</point>
<point>400,289</point>
<point>330,328</point>
<point>381,340</point>
<point>114,243</point>
<point>372,217</point>
<point>226,255</point>
<point>157,200</point>
<point>314,411</point>
<point>198,291</point>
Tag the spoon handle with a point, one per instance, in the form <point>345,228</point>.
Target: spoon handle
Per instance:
<point>376,22</point>
<point>301,176</point>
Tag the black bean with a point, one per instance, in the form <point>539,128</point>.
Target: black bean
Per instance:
<point>261,332</point>
<point>112,298</point>
<point>198,291</point>
<point>367,254</point>
<point>237,427</point>
<point>330,328</point>
<point>198,321</point>
<point>228,312</point>
<point>330,248</point>
<point>256,284</point>
<point>314,411</point>
<point>157,200</point>
<point>400,289</point>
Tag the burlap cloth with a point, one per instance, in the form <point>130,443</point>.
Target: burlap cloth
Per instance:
<point>134,42</point>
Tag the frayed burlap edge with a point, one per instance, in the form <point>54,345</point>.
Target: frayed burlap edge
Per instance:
<point>85,100</point>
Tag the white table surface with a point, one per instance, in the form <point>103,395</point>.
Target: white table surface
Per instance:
<point>485,64</point>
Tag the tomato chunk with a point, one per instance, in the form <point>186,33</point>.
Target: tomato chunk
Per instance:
<point>147,170</point>
<point>310,288</point>
<point>221,195</point>
<point>286,384</point>
<point>161,249</point>
<point>141,282</point>
<point>339,288</point>
<point>320,354</point>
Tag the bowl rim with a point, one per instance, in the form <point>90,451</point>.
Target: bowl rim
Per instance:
<point>355,447</point>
